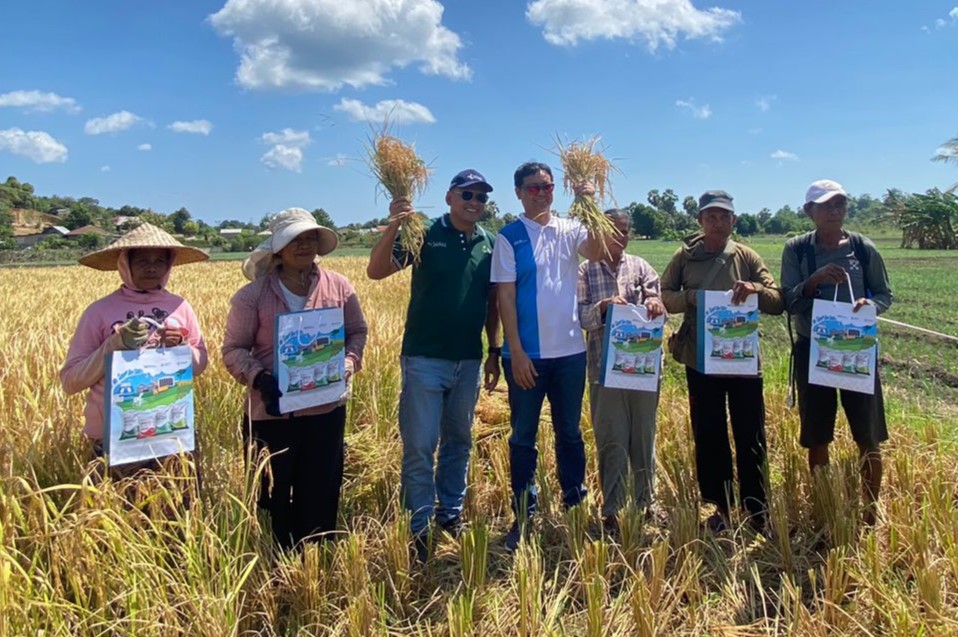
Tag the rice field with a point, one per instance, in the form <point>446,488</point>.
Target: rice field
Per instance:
<point>84,557</point>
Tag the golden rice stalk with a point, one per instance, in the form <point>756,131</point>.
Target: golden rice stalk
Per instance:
<point>584,161</point>
<point>404,175</point>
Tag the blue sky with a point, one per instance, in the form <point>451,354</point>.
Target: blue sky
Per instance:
<point>235,109</point>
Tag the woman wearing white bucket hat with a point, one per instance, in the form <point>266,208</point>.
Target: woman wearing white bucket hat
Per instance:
<point>301,491</point>
<point>141,313</point>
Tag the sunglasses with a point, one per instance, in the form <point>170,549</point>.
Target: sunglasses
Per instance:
<point>535,189</point>
<point>467,195</point>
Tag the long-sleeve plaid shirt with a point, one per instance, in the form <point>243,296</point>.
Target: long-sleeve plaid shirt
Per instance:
<point>634,280</point>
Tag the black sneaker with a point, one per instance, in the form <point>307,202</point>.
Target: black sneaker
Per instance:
<point>453,527</point>
<point>421,547</point>
<point>516,534</point>
<point>610,527</point>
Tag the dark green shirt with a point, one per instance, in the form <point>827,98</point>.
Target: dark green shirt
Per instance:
<point>450,292</point>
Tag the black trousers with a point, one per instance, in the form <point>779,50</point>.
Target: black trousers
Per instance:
<point>713,454</point>
<point>300,491</point>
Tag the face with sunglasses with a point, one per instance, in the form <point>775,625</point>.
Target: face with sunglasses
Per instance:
<point>466,205</point>
<point>535,193</point>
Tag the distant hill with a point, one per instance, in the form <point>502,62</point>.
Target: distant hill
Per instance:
<point>26,221</point>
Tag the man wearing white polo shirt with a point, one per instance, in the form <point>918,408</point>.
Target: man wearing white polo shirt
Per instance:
<point>535,266</point>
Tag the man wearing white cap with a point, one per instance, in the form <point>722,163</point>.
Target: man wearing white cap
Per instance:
<point>812,265</point>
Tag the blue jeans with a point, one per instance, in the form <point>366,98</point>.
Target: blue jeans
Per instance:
<point>562,380</point>
<point>436,408</point>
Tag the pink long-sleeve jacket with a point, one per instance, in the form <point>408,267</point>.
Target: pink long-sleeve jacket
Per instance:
<point>248,346</point>
<point>95,338</point>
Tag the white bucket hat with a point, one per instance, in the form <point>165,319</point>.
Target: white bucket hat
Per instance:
<point>286,226</point>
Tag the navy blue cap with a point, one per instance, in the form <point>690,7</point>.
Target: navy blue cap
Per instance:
<point>470,177</point>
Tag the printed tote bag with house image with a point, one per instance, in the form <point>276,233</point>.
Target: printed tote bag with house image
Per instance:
<point>149,404</point>
<point>310,358</point>
<point>727,334</point>
<point>631,349</point>
<point>844,344</point>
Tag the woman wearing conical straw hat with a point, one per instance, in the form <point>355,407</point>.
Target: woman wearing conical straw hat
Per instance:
<point>301,491</point>
<point>141,313</point>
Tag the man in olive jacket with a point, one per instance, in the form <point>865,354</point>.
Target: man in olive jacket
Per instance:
<point>710,260</point>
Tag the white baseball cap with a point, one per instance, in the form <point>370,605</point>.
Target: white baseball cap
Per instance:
<point>822,190</point>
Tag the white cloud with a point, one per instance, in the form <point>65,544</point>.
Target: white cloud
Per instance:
<point>38,101</point>
<point>111,123</point>
<point>287,148</point>
<point>196,126</point>
<point>325,44</point>
<point>104,169</point>
<point>939,23</point>
<point>784,155</point>
<point>287,136</point>
<point>953,14</point>
<point>34,145</point>
<point>765,102</point>
<point>657,22</point>
<point>698,112</point>
<point>145,147</point>
<point>755,131</point>
<point>339,160</point>
<point>394,111</point>
<point>280,156</point>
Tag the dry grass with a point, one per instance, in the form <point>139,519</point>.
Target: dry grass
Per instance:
<point>581,162</point>
<point>404,175</point>
<point>78,558</point>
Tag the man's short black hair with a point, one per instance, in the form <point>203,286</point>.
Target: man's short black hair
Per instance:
<point>530,168</point>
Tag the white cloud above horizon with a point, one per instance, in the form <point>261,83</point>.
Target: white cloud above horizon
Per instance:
<point>339,160</point>
<point>698,112</point>
<point>287,149</point>
<point>105,168</point>
<point>660,23</point>
<point>393,111</point>
<point>784,155</point>
<point>115,123</point>
<point>764,103</point>
<point>145,147</point>
<point>37,146</point>
<point>323,45</point>
<point>196,127</point>
<point>39,102</point>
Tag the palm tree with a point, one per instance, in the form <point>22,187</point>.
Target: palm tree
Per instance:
<point>947,152</point>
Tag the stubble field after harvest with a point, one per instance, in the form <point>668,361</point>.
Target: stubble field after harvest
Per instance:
<point>83,559</point>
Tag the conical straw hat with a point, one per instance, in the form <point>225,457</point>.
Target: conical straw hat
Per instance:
<point>144,235</point>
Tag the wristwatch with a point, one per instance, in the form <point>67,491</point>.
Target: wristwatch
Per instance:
<point>495,350</point>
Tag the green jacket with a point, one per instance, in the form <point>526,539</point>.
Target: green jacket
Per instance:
<point>686,272</point>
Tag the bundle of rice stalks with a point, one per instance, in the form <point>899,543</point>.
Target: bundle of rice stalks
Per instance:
<point>404,175</point>
<point>583,161</point>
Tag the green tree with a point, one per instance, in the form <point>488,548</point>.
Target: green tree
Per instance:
<point>6,221</point>
<point>746,225</point>
<point>763,217</point>
<point>17,194</point>
<point>78,217</point>
<point>322,218</point>
<point>691,206</point>
<point>928,221</point>
<point>491,212</point>
<point>179,220</point>
<point>647,221</point>
<point>947,152</point>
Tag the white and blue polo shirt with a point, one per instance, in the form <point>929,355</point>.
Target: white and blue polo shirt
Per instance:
<point>543,262</point>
